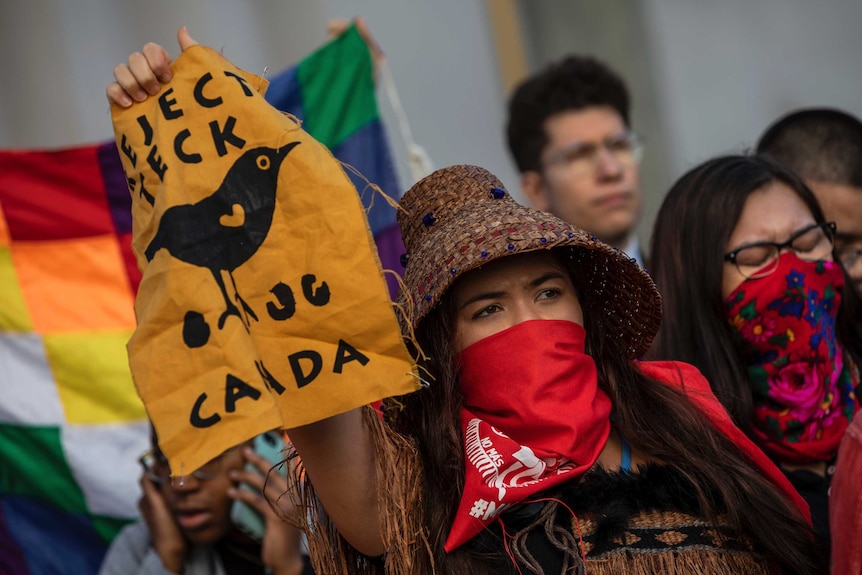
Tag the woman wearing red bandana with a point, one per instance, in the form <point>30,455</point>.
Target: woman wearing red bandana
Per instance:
<point>539,443</point>
<point>743,257</point>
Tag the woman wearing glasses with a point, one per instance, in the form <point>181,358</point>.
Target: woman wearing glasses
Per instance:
<point>743,257</point>
<point>190,525</point>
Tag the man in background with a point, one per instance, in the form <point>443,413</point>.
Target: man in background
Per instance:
<point>569,134</point>
<point>824,147</point>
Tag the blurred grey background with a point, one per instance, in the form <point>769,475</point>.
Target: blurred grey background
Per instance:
<point>706,77</point>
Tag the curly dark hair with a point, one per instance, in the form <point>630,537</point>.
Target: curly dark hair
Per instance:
<point>573,83</point>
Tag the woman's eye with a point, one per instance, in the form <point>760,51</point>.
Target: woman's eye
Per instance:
<point>486,311</point>
<point>807,241</point>
<point>548,294</point>
<point>755,255</point>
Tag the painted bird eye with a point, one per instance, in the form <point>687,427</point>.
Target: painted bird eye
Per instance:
<point>263,162</point>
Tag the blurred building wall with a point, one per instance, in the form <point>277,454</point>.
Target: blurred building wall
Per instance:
<point>59,54</point>
<point>706,77</point>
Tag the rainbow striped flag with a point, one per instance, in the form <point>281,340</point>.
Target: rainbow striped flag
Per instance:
<point>71,423</point>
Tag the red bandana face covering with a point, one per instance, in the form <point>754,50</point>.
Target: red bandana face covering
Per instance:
<point>533,417</point>
<point>803,388</point>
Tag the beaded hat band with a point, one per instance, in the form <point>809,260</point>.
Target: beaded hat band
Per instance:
<point>461,217</point>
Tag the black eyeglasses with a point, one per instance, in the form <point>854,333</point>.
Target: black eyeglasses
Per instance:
<point>758,260</point>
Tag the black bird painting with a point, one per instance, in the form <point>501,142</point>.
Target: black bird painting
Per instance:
<point>222,231</point>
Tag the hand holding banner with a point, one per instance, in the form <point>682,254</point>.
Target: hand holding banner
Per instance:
<point>262,302</point>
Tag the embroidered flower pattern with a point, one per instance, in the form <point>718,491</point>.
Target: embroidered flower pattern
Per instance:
<point>802,386</point>
<point>759,330</point>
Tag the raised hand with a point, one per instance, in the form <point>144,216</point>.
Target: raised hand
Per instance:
<point>280,549</point>
<point>335,28</point>
<point>145,72</point>
<point>167,540</point>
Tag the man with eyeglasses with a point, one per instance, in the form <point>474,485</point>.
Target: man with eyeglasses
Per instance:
<point>824,147</point>
<point>187,525</point>
<point>569,134</point>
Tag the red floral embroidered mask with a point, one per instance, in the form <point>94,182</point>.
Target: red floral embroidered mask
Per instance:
<point>802,386</point>
<point>533,417</point>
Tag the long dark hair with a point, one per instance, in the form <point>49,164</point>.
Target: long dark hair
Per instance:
<point>654,417</point>
<point>691,233</point>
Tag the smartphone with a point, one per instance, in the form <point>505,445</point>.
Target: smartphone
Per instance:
<point>270,446</point>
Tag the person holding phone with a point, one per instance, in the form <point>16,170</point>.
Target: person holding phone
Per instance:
<point>190,523</point>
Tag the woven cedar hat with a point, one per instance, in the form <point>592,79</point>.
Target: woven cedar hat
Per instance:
<point>461,217</point>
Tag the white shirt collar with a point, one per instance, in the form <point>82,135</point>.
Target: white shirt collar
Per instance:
<point>633,250</point>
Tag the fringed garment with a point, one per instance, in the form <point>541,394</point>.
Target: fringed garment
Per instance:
<point>636,523</point>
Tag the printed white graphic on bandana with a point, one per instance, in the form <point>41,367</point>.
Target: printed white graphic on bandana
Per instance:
<point>480,506</point>
<point>485,510</point>
<point>480,452</point>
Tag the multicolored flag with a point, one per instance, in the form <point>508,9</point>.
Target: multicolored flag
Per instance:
<point>71,423</point>
<point>332,92</point>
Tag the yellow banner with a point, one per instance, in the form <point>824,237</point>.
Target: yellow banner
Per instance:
<point>262,303</point>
